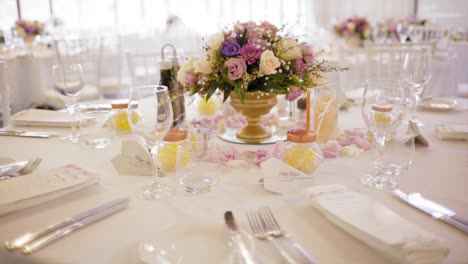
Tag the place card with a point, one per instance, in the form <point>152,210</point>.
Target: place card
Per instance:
<point>134,159</point>
<point>279,177</point>
<point>28,190</point>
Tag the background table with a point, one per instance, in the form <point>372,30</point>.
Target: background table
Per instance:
<point>439,172</point>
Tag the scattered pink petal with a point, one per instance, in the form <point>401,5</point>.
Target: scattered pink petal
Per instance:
<point>332,149</point>
<point>356,141</point>
<point>260,156</point>
<point>227,153</point>
<point>360,132</point>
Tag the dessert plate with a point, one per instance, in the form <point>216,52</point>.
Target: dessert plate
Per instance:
<point>195,243</point>
<point>438,104</point>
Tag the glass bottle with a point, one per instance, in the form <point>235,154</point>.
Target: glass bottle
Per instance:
<point>2,37</point>
<point>167,70</point>
<point>301,150</point>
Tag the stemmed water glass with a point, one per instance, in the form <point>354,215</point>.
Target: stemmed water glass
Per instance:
<point>416,75</point>
<point>383,109</point>
<point>150,116</point>
<point>68,83</point>
<point>403,30</point>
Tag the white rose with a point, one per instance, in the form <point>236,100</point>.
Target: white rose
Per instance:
<point>268,63</point>
<point>289,49</point>
<point>214,42</point>
<point>186,67</point>
<point>202,66</point>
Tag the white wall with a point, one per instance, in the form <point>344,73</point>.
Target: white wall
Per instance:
<point>452,13</point>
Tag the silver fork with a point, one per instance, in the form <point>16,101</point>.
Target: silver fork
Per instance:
<point>273,229</point>
<point>258,228</point>
<point>28,168</point>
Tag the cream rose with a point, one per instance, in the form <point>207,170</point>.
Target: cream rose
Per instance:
<point>202,66</point>
<point>317,80</point>
<point>186,67</point>
<point>268,63</point>
<point>289,49</point>
<point>214,42</point>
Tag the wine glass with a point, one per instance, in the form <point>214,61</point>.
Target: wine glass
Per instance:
<point>403,30</point>
<point>150,116</point>
<point>383,109</point>
<point>68,83</point>
<point>415,75</point>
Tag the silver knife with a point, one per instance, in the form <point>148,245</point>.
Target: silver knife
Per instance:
<point>28,237</point>
<point>433,209</point>
<point>51,237</point>
<point>236,237</point>
<point>14,133</point>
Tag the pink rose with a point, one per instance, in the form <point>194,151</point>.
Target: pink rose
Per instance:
<point>307,53</point>
<point>236,68</point>
<point>267,26</point>
<point>294,93</point>
<point>190,78</point>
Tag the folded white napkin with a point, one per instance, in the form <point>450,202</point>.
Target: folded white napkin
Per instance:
<point>33,189</point>
<point>44,118</point>
<point>377,226</point>
<point>451,131</point>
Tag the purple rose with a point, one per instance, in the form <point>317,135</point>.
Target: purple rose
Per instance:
<point>230,47</point>
<point>307,53</point>
<point>293,94</point>
<point>190,78</point>
<point>251,53</point>
<point>236,68</point>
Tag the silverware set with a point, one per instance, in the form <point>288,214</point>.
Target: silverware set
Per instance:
<point>265,227</point>
<point>30,242</point>
<point>19,168</point>
<point>31,134</point>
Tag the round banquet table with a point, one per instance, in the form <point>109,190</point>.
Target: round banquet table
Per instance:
<point>438,172</point>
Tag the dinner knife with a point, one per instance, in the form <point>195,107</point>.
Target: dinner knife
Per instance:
<point>236,237</point>
<point>433,209</point>
<point>14,133</point>
<point>28,237</point>
<point>57,234</point>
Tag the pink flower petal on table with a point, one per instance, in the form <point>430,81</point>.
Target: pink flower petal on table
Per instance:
<point>332,149</point>
<point>356,141</point>
<point>260,156</point>
<point>227,153</point>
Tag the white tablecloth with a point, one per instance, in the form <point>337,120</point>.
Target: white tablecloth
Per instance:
<point>439,172</point>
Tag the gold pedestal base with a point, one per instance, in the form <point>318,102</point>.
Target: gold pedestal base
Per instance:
<point>255,105</point>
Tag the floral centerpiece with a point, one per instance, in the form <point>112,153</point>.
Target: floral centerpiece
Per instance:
<point>28,29</point>
<point>354,30</point>
<point>250,57</point>
<point>253,62</point>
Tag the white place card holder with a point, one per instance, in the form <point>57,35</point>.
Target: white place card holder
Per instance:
<point>28,190</point>
<point>280,177</point>
<point>134,159</point>
<point>376,225</point>
<point>451,131</point>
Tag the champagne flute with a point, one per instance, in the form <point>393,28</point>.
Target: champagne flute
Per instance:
<point>150,116</point>
<point>68,83</point>
<point>383,109</point>
<point>416,75</point>
<point>403,31</point>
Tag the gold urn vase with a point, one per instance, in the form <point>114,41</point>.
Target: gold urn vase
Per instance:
<point>255,105</point>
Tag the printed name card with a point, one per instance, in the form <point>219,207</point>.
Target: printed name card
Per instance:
<point>134,159</point>
<point>281,178</point>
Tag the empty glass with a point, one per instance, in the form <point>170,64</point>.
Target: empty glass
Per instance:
<point>68,83</point>
<point>416,75</point>
<point>383,109</point>
<point>150,116</point>
<point>96,129</point>
<point>403,30</point>
<point>398,153</point>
